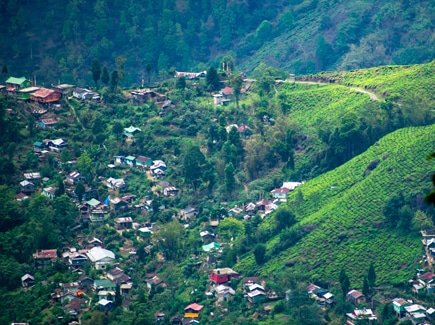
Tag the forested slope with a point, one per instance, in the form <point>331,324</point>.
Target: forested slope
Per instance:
<point>342,214</point>
<point>58,41</point>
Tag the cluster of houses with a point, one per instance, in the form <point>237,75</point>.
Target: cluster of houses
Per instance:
<point>23,89</point>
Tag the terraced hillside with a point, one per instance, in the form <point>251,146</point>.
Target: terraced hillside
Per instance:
<point>395,81</point>
<point>343,210</point>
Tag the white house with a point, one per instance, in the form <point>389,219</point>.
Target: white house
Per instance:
<point>100,257</point>
<point>291,185</point>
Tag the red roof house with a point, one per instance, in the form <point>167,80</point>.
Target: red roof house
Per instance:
<point>44,95</point>
<point>193,310</point>
<point>223,275</point>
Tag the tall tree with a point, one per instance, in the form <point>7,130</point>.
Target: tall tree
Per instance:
<point>115,79</point>
<point>344,282</point>
<point>212,79</point>
<point>366,287</point>
<point>180,83</point>
<point>96,71</point>
<point>371,275</point>
<point>260,254</point>
<point>230,179</point>
<point>284,218</point>
<point>105,77</point>
<point>80,190</point>
<point>237,83</point>
<point>193,163</point>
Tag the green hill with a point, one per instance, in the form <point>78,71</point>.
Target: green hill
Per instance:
<point>343,210</point>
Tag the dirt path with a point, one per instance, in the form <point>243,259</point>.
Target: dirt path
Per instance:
<point>75,113</point>
<point>360,90</point>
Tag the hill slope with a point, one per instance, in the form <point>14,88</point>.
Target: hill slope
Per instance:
<point>345,209</point>
<point>59,41</point>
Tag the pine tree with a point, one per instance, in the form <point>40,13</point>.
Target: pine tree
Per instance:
<point>96,71</point>
<point>366,287</point>
<point>105,77</point>
<point>212,79</point>
<point>371,275</point>
<point>344,282</point>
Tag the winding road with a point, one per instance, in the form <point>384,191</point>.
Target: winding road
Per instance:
<point>373,96</point>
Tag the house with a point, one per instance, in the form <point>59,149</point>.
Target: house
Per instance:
<point>76,259</point>
<point>45,257</point>
<point>83,94</point>
<point>248,280</point>
<point>170,191</point>
<point>21,197</point>
<point>188,213</point>
<point>39,146</point>
<point>256,296</point>
<point>125,288</point>
<point>64,89</point>
<point>144,162</point>
<point>118,160</point>
<point>211,247</point>
<point>100,257</point>
<point>27,187</point>
<point>67,296</point>
<point>250,208</point>
<point>130,161</point>
<point>399,305</point>
<point>49,192</point>
<point>218,99</point>
<point>49,123</point>
<point>105,304</point>
<point>206,236</point>
<point>32,177</point>
<point>71,286</point>
<point>144,232</point>
<point>143,95</point>
<point>115,184</point>
<point>224,293</point>
<point>74,177</point>
<point>45,96</point>
<point>85,281</point>
<point>355,296</point>
<point>235,211</point>
<point>107,295</point>
<point>291,185</point>
<point>104,284</point>
<point>75,306</point>
<point>123,223</point>
<point>27,280</point>
<point>118,276</point>
<point>25,93</point>
<point>359,315</point>
<point>244,130</point>
<point>160,317</point>
<point>193,310</point>
<point>158,168</point>
<point>261,205</point>
<point>131,131</point>
<point>119,205</point>
<point>57,145</point>
<point>416,313</point>
<point>223,275</point>
<point>190,75</point>
<point>154,282</point>
<point>280,193</point>
<point>14,84</point>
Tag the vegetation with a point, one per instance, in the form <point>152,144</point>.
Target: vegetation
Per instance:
<point>144,42</point>
<point>358,211</point>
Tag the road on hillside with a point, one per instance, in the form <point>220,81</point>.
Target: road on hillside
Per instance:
<point>360,90</point>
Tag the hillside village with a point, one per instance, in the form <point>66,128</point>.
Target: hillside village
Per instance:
<point>116,229</point>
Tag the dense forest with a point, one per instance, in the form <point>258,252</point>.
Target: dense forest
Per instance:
<point>58,41</point>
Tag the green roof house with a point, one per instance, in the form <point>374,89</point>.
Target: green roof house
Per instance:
<point>131,131</point>
<point>14,84</point>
